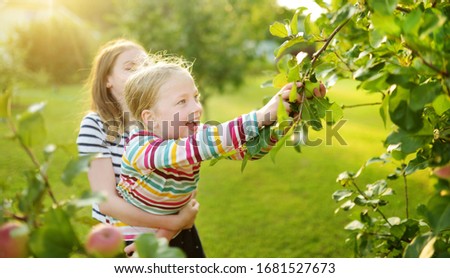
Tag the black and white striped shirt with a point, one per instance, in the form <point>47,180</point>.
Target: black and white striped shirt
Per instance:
<point>92,139</point>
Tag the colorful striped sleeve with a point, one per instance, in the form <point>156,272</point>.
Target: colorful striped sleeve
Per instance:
<point>146,151</point>
<point>270,142</point>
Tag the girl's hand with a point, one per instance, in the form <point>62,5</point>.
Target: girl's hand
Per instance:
<point>188,214</point>
<point>268,114</point>
<point>167,234</point>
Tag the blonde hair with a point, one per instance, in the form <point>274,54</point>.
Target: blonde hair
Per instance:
<point>103,101</point>
<point>142,87</point>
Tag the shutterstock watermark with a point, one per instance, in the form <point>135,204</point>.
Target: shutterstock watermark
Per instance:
<point>212,133</point>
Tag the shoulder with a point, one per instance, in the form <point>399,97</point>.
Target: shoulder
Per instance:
<point>91,128</point>
<point>92,119</point>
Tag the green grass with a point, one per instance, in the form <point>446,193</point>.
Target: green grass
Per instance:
<point>281,209</point>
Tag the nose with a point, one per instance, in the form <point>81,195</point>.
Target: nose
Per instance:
<point>197,109</point>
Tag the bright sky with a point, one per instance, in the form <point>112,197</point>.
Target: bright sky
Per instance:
<point>312,7</point>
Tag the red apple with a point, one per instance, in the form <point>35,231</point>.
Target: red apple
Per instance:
<point>13,240</point>
<point>443,172</point>
<point>104,241</point>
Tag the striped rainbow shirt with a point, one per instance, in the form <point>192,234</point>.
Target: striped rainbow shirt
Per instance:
<point>161,176</point>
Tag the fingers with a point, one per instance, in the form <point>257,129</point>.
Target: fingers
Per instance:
<point>320,91</point>
<point>194,204</point>
<point>130,249</point>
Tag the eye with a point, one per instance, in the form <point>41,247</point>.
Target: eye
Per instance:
<point>130,67</point>
<point>180,102</point>
<point>197,97</point>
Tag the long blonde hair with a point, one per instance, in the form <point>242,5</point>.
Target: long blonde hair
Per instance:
<point>103,101</point>
<point>142,87</point>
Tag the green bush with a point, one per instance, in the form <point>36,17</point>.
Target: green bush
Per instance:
<point>58,47</point>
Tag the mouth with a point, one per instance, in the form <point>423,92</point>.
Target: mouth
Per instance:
<point>193,125</point>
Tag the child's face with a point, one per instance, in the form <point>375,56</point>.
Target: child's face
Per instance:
<point>124,65</point>
<point>177,111</point>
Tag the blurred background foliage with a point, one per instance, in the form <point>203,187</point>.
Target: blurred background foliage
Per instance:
<point>54,41</point>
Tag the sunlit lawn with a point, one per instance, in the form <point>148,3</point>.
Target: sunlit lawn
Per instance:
<point>281,209</point>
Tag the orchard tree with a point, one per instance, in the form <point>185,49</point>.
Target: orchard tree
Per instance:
<point>217,35</point>
<point>57,47</point>
<point>399,50</point>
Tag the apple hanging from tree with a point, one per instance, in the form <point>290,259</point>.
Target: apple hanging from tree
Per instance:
<point>14,240</point>
<point>443,172</point>
<point>104,241</point>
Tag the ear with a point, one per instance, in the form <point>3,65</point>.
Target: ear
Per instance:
<point>148,119</point>
<point>108,82</point>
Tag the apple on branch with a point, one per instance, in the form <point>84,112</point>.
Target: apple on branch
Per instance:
<point>443,172</point>
<point>104,241</point>
<point>14,240</point>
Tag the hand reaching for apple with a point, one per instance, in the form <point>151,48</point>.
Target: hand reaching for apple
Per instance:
<point>268,113</point>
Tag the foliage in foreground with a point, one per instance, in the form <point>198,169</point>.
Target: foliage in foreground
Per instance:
<point>398,49</point>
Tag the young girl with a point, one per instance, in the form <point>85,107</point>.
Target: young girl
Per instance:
<point>101,133</point>
<point>161,163</point>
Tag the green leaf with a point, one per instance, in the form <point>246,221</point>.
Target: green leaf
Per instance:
<point>281,143</point>
<point>416,164</point>
<point>401,113</point>
<point>254,145</point>
<point>278,29</point>
<point>414,249</point>
<point>31,199</point>
<point>293,94</point>
<point>294,75</point>
<point>432,19</point>
<point>386,24</point>
<point>375,160</point>
<point>424,94</point>
<point>378,189</point>
<point>311,28</point>
<point>282,114</point>
<point>56,238</point>
<point>75,167</point>
<point>5,104</point>
<point>354,225</point>
<point>441,104</point>
<point>280,80</point>
<point>89,198</point>
<point>148,246</point>
<point>294,23</point>
<point>244,162</point>
<point>398,230</point>
<point>375,83</point>
<point>428,249</point>
<point>412,21</point>
<point>384,110</point>
<point>342,194</point>
<point>345,178</point>
<point>347,205</point>
<point>437,213</point>
<point>287,44</point>
<point>376,38</point>
<point>384,7</point>
<point>31,126</point>
<point>410,143</point>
